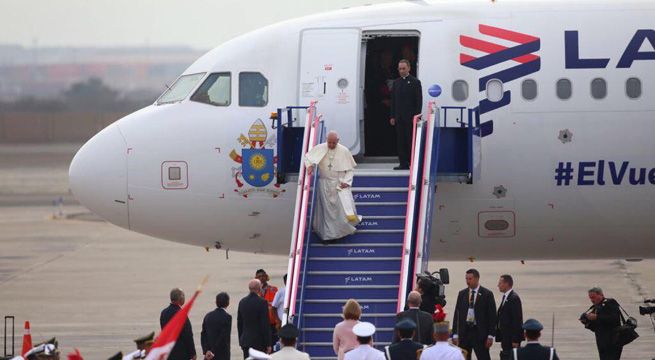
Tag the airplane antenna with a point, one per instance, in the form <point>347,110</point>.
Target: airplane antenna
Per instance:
<point>168,87</point>
<point>552,335</point>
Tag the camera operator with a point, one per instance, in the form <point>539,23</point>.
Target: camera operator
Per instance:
<point>428,286</point>
<point>602,318</point>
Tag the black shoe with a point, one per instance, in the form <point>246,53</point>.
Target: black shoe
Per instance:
<point>400,167</point>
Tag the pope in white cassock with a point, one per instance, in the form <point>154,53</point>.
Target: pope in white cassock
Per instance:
<point>334,214</point>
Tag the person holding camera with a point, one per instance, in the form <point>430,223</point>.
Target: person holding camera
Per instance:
<point>603,317</point>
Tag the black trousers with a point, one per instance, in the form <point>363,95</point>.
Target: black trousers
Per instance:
<point>245,351</point>
<point>404,127</point>
<point>506,353</point>
<point>610,353</point>
<point>474,341</point>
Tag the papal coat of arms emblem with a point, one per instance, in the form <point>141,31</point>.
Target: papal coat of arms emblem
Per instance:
<point>258,162</point>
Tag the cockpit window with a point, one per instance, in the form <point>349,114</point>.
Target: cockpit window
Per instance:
<point>180,89</point>
<point>253,89</point>
<point>216,90</point>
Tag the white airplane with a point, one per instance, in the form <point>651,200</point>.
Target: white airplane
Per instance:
<point>565,93</point>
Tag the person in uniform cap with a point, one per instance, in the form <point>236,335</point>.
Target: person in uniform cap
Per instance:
<point>117,356</point>
<point>254,354</point>
<point>145,342</point>
<point>44,351</point>
<point>406,348</point>
<point>533,350</point>
<point>365,351</point>
<point>135,355</point>
<point>442,350</point>
<point>288,334</point>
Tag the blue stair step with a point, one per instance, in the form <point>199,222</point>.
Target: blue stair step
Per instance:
<point>347,292</point>
<point>382,194</point>
<point>364,238</point>
<point>380,181</point>
<point>330,320</point>
<point>352,278</point>
<point>381,208</point>
<point>382,223</point>
<point>318,306</point>
<point>350,250</point>
<point>328,264</point>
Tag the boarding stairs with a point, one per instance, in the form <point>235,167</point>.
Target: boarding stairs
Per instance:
<point>376,265</point>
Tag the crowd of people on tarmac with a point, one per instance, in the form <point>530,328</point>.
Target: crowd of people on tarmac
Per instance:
<point>418,335</point>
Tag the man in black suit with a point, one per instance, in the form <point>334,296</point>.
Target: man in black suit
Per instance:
<point>406,101</point>
<point>509,332</point>
<point>533,350</point>
<point>423,320</point>
<point>216,330</point>
<point>252,321</point>
<point>474,320</point>
<point>184,348</point>
<point>406,348</point>
<point>602,318</point>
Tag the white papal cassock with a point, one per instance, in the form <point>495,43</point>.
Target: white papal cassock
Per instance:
<point>335,215</point>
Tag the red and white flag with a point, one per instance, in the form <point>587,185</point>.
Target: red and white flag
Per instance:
<point>169,334</point>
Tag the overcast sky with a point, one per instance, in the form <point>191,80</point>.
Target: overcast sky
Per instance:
<point>201,24</point>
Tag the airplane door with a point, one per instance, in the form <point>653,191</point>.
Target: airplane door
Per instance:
<point>329,73</point>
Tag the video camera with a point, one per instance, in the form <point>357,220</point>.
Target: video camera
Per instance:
<point>432,284</point>
<point>647,310</point>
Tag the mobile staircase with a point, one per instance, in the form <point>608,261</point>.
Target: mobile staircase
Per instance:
<point>376,265</point>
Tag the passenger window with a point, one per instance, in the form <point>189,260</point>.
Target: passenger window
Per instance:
<point>253,89</point>
<point>633,88</point>
<point>494,90</point>
<point>529,89</point>
<point>564,90</point>
<point>598,88</point>
<point>216,90</point>
<point>460,90</point>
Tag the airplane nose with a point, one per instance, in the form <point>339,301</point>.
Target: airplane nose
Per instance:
<point>98,176</point>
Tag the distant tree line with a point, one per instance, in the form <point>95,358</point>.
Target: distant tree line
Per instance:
<point>92,95</point>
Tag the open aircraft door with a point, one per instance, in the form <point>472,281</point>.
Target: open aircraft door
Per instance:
<point>329,73</point>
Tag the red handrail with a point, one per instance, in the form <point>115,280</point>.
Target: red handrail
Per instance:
<point>300,213</point>
<point>409,219</point>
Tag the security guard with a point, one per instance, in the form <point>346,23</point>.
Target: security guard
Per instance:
<point>442,349</point>
<point>533,350</point>
<point>47,350</point>
<point>117,356</point>
<point>406,348</point>
<point>364,332</point>
<point>145,342</point>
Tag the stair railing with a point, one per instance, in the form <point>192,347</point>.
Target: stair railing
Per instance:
<point>308,231</point>
<point>428,189</point>
<point>300,216</point>
<point>413,197</point>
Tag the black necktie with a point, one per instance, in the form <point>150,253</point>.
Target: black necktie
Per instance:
<point>472,299</point>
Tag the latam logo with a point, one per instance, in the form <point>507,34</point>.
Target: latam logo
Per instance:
<point>519,57</point>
